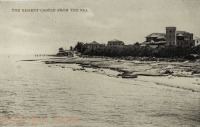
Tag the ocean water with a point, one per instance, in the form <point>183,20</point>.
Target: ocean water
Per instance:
<point>35,94</point>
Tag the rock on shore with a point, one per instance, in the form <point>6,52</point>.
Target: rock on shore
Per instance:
<point>135,68</point>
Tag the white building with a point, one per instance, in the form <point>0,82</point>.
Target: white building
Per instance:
<point>197,41</point>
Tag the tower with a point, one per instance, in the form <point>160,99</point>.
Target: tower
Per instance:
<point>171,36</point>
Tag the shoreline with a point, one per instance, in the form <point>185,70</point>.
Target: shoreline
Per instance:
<point>151,68</point>
<point>171,74</point>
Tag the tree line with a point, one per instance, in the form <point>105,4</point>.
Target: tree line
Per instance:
<point>138,51</point>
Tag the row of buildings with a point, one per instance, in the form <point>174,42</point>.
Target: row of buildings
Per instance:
<point>172,37</point>
<point>94,44</point>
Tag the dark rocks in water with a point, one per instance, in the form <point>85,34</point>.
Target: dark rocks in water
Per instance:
<point>30,60</point>
<point>168,72</point>
<point>119,75</point>
<point>49,62</point>
<point>195,72</point>
<point>114,69</point>
<point>85,65</point>
<point>128,75</point>
<point>78,69</point>
<point>63,66</point>
<point>81,69</point>
<point>94,66</point>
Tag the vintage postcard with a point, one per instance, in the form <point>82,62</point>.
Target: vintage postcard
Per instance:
<point>100,63</point>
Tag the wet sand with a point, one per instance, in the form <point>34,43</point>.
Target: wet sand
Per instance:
<point>183,75</point>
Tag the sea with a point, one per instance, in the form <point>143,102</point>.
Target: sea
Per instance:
<point>33,93</point>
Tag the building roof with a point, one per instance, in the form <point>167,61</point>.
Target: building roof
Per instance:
<point>182,32</point>
<point>153,43</point>
<point>94,43</point>
<point>114,40</point>
<point>196,38</point>
<point>170,27</point>
<point>145,43</point>
<point>157,35</point>
<point>159,42</point>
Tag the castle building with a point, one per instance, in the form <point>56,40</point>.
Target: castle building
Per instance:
<point>179,38</point>
<point>172,37</point>
<point>155,40</point>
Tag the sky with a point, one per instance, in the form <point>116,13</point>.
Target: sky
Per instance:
<point>126,20</point>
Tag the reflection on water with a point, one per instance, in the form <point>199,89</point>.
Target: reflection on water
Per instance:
<point>31,93</point>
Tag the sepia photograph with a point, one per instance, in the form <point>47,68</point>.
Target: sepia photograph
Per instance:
<point>100,63</point>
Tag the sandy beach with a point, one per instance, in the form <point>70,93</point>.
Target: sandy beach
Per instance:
<point>160,72</point>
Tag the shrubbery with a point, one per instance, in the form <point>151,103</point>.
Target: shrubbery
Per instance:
<point>139,51</point>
